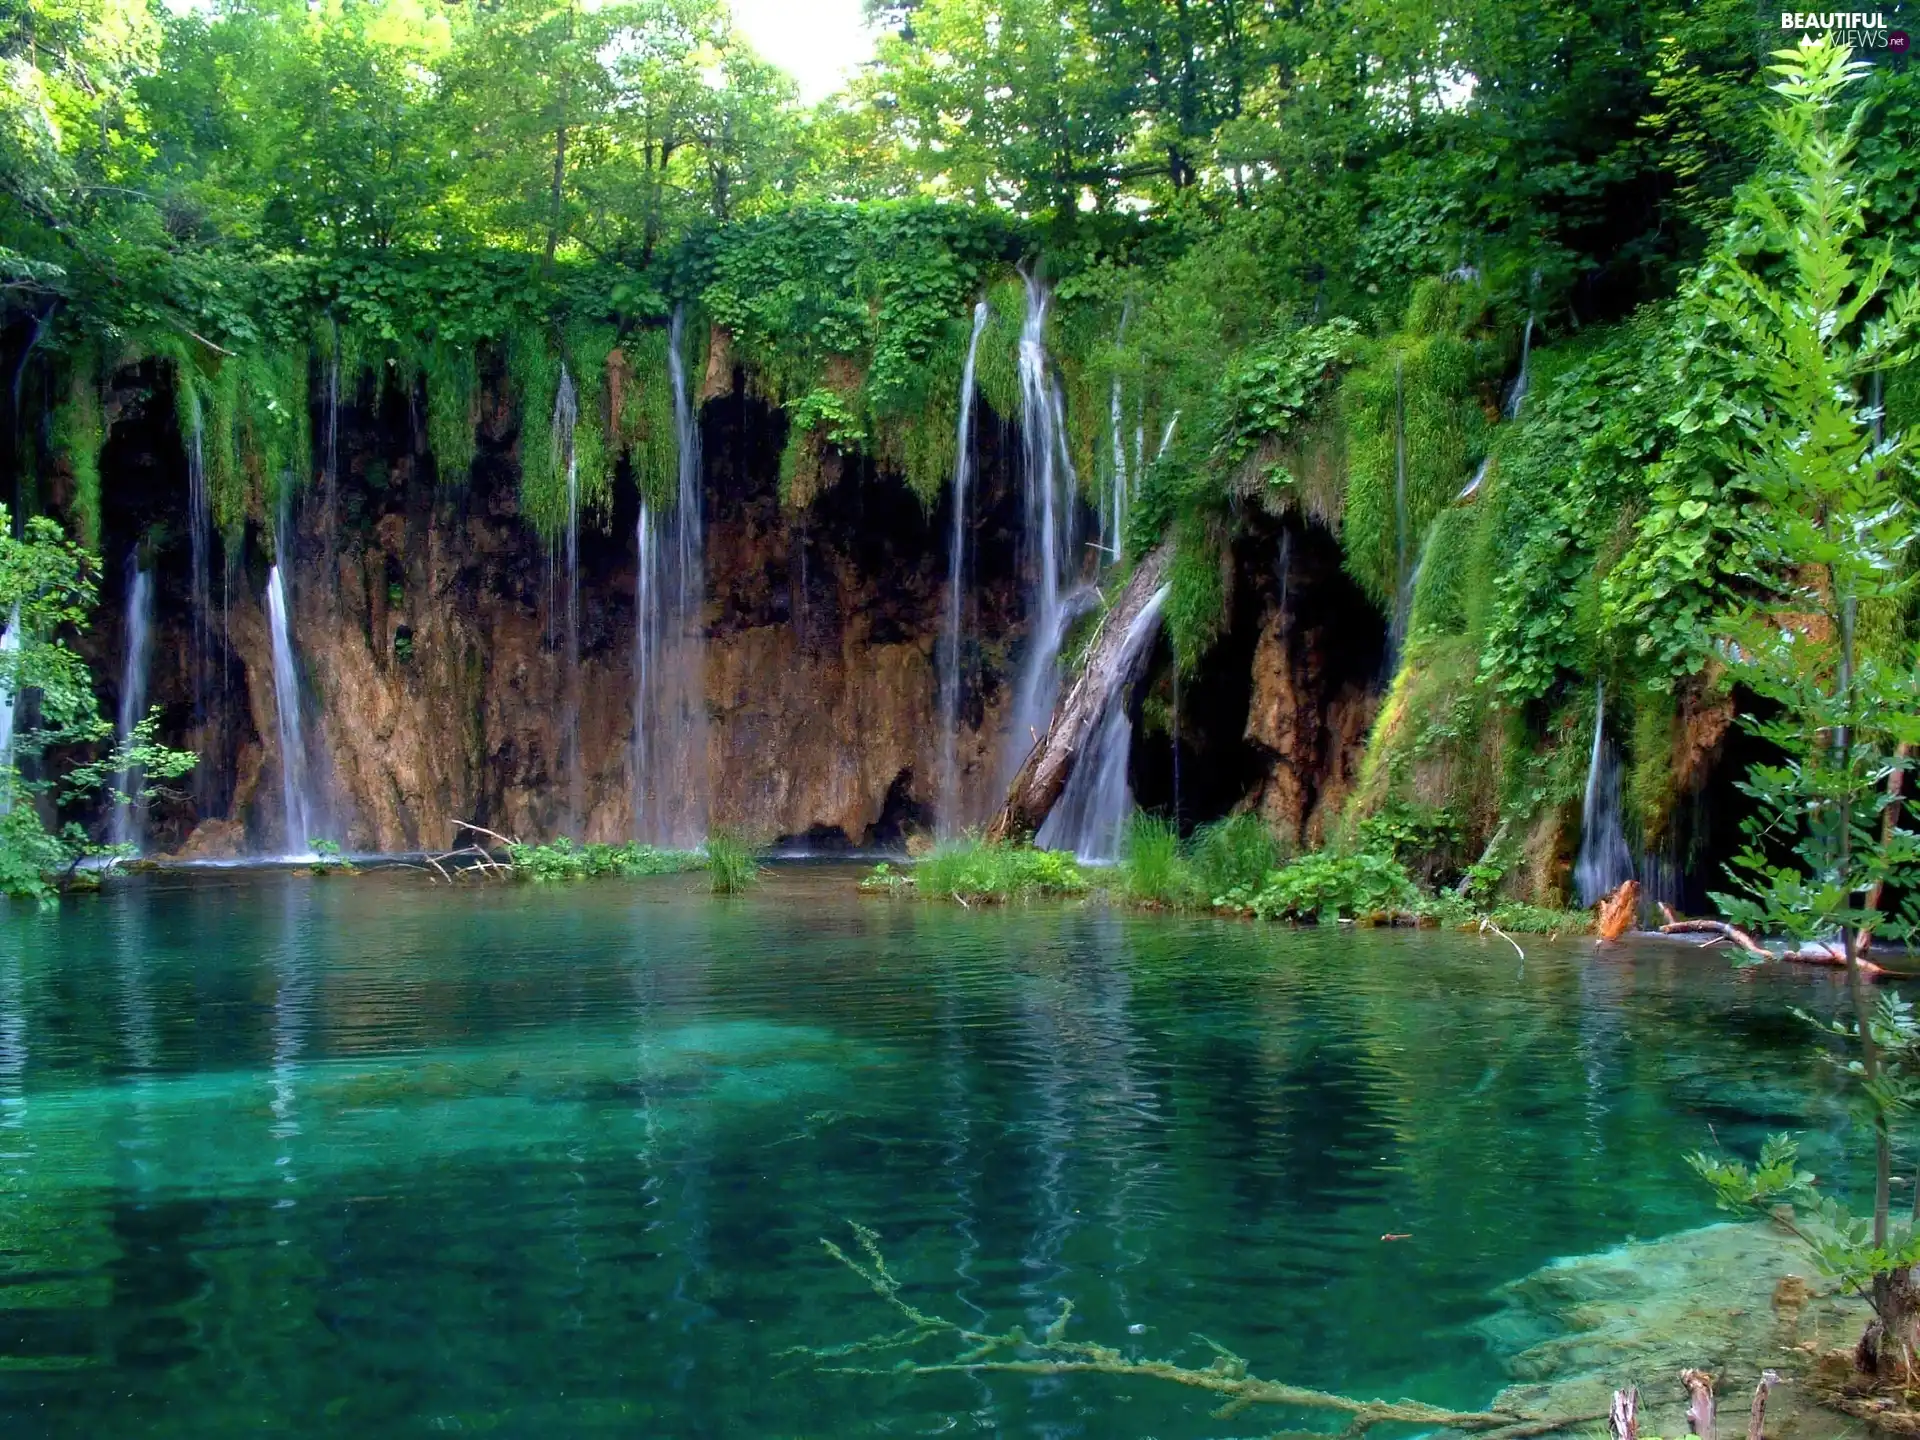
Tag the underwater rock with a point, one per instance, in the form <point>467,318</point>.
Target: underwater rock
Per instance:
<point>1731,1299</point>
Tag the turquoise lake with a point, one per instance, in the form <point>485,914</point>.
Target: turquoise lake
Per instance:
<point>373,1157</point>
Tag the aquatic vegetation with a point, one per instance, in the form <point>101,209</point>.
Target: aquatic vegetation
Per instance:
<point>974,869</point>
<point>731,863</point>
<point>565,860</point>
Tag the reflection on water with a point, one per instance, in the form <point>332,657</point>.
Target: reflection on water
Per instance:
<point>367,1156</point>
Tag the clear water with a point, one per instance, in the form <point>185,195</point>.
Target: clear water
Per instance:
<point>369,1157</point>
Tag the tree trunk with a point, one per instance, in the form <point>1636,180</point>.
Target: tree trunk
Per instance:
<point>1045,774</point>
<point>1893,1339</point>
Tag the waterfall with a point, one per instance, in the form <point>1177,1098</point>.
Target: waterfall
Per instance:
<point>952,814</point>
<point>127,820</point>
<point>1051,492</point>
<point>295,785</point>
<point>669,698</point>
<point>1604,860</point>
<point>9,646</point>
<point>1090,816</point>
<point>1166,435</point>
<point>1479,478</point>
<point>1516,397</point>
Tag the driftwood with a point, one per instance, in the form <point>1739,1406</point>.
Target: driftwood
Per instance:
<point>1051,761</point>
<point>1757,1419</point>
<point>1700,1416</point>
<point>1618,911</point>
<point>1623,1420</point>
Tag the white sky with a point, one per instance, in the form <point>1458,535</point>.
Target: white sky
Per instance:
<point>818,42</point>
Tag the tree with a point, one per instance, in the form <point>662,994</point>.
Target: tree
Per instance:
<point>47,589</point>
<point>1810,320</point>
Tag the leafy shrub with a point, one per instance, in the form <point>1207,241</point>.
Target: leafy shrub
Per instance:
<point>883,879</point>
<point>731,866</point>
<point>975,869</point>
<point>1328,885</point>
<point>564,860</point>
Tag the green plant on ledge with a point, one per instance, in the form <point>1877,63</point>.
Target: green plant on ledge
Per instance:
<point>564,860</point>
<point>731,864</point>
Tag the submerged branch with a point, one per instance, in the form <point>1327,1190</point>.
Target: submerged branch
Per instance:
<point>1014,1352</point>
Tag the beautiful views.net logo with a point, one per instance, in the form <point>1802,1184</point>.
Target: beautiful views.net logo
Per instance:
<point>1861,29</point>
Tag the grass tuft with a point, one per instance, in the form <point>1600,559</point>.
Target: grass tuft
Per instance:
<point>732,866</point>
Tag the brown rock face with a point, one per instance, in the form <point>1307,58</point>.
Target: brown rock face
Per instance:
<point>442,678</point>
<point>1315,679</point>
<point>439,669</point>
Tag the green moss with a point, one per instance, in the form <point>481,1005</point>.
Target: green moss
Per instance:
<point>1423,388</point>
<point>1650,784</point>
<point>1196,608</point>
<point>643,415</point>
<point>453,408</point>
<point>78,434</point>
<point>533,371</point>
<point>1440,593</point>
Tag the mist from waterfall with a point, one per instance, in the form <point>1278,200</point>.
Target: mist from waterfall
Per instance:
<point>952,814</point>
<point>1049,539</point>
<point>1090,817</point>
<point>136,662</point>
<point>669,698</point>
<point>1604,861</point>
<point>296,786</point>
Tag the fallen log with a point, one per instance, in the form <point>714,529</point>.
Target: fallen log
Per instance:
<point>1813,952</point>
<point>1050,763</point>
<point>1717,927</point>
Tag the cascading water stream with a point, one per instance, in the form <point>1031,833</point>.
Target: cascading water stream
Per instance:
<point>1051,494</point>
<point>1090,816</point>
<point>669,701</point>
<point>1604,860</point>
<point>952,812</point>
<point>295,783</point>
<point>1517,396</point>
<point>126,825</point>
<point>9,646</point>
